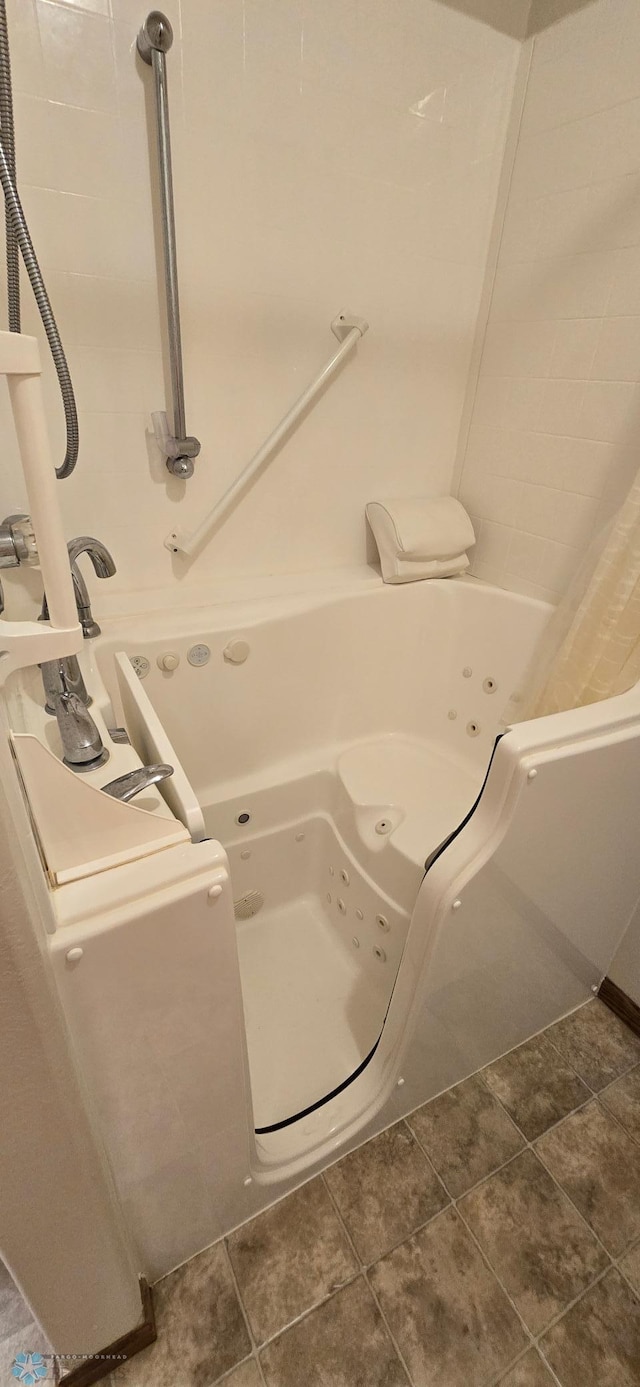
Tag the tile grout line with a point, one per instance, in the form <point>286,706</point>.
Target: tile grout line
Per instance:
<point>533,1338</point>
<point>595,1091</point>
<point>304,1314</point>
<point>453,1204</point>
<point>618,1120</point>
<point>530,1146</point>
<point>363,1268</point>
<point>363,1273</point>
<point>335,1206</point>
<point>625,1278</point>
<point>572,1304</point>
<point>258,1347</point>
<point>226,1376</point>
<point>552,1125</point>
<point>428,1159</point>
<point>613,1262</point>
<point>587,1225</point>
<point>387,1326</point>
<point>245,1316</point>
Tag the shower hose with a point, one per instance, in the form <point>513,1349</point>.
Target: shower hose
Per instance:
<point>18,242</point>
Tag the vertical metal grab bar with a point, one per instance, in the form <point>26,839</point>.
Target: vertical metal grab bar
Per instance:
<point>154,41</point>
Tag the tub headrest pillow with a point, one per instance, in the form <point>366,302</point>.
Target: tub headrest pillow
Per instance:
<point>421,537</point>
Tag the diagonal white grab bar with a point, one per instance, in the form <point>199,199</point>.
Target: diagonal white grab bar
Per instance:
<point>348,330</point>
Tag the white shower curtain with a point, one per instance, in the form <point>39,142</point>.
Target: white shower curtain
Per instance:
<point>591,649</point>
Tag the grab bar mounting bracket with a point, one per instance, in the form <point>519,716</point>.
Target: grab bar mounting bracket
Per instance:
<point>345,323</point>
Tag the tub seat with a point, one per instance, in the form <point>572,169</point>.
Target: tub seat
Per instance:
<point>407,792</point>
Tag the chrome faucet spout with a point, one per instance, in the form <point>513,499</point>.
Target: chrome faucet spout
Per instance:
<point>126,786</point>
<point>82,744</point>
<point>98,553</point>
<point>104,567</point>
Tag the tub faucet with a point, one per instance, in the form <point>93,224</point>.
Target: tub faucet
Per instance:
<point>82,744</point>
<point>104,568</point>
<point>126,786</point>
<point>68,666</point>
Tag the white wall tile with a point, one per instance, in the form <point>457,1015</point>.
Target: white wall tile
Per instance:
<point>78,56</point>
<point>585,466</point>
<point>525,556</point>
<point>561,407</point>
<point>610,411</point>
<point>575,346</point>
<point>564,324</point>
<point>618,353</point>
<point>312,173</point>
<point>27,66</point>
<point>521,410</point>
<point>625,286</point>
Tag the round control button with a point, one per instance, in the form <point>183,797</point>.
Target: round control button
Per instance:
<point>198,654</point>
<point>169,661</point>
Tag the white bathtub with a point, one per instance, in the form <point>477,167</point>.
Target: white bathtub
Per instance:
<point>352,740</point>
<point>362,738</point>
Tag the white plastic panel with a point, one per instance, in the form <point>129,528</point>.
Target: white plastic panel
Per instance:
<point>152,745</point>
<point>154,1009</point>
<point>94,831</point>
<point>520,916</point>
<point>569,862</point>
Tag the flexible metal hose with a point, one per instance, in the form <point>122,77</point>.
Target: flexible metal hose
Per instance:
<point>7,128</point>
<point>18,237</point>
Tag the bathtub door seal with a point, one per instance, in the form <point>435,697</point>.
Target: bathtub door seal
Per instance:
<point>313,1107</point>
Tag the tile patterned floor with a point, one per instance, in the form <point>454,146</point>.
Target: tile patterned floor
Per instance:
<point>18,1331</point>
<point>491,1238</point>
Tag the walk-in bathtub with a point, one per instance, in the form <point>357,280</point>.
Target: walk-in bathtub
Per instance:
<point>416,890</point>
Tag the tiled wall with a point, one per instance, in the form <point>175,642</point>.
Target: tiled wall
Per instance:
<point>554,430</point>
<point>327,156</point>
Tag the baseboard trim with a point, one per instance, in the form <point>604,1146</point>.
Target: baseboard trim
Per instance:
<point>99,1366</point>
<point>618,1001</point>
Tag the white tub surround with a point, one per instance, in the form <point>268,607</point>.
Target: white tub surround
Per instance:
<point>328,159</point>
<point>551,449</point>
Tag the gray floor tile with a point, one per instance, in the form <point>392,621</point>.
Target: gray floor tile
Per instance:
<point>28,1339</point>
<point>343,1343</point>
<point>630,1265</point>
<point>201,1329</point>
<point>451,1320</point>
<point>529,1372</point>
<point>466,1134</point>
<point>623,1099</point>
<point>597,1343</point>
<point>534,1239</point>
<point>598,1165</point>
<point>536,1085</point>
<point>385,1190</point>
<point>290,1258</point>
<point>247,1375</point>
<point>598,1045</point>
<point>14,1311</point>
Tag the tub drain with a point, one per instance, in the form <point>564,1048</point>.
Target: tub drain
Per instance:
<point>248,905</point>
